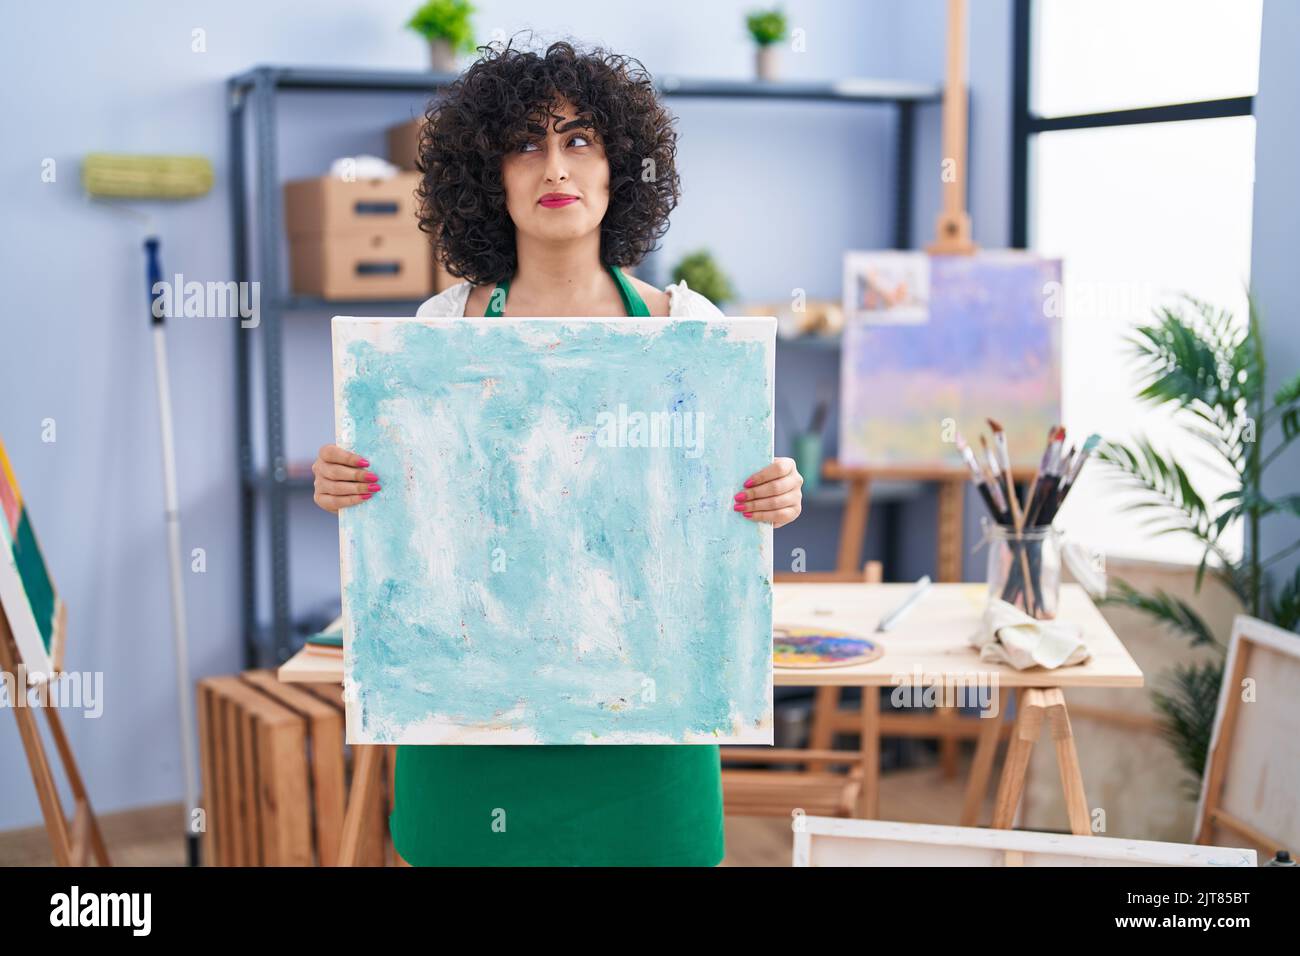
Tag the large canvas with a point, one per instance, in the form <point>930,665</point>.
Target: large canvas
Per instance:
<point>919,365</point>
<point>554,558</point>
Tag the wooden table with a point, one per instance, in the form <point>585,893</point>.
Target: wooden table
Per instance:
<point>927,648</point>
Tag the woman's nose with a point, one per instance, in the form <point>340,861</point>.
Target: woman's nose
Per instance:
<point>555,170</point>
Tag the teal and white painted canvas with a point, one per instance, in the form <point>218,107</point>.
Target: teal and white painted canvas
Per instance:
<point>554,558</point>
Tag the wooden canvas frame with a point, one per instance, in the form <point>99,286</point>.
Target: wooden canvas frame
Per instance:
<point>1238,752</point>
<point>830,841</point>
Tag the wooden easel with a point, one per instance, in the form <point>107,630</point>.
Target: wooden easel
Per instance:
<point>953,237</point>
<point>72,844</point>
<point>953,229</point>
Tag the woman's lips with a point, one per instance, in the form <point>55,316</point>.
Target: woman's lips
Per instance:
<point>556,203</point>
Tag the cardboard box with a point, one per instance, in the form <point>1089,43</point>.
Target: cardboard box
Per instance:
<point>336,207</point>
<point>404,143</point>
<point>382,264</point>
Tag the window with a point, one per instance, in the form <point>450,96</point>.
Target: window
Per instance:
<point>1133,161</point>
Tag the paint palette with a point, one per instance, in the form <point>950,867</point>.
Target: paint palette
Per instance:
<point>819,647</point>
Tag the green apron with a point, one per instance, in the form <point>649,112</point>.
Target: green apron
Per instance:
<point>580,805</point>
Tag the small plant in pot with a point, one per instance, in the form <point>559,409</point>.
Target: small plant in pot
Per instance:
<point>445,24</point>
<point>703,275</point>
<point>767,27</point>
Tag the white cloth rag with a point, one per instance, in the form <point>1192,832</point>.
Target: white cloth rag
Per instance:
<point>1008,635</point>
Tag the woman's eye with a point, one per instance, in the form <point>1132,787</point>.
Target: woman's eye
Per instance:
<point>585,141</point>
<point>525,147</point>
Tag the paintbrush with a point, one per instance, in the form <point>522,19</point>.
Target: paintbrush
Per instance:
<point>977,476</point>
<point>995,480</point>
<point>1041,491</point>
<point>1044,486</point>
<point>1017,518</point>
<point>1031,498</point>
<point>1072,475</point>
<point>819,418</point>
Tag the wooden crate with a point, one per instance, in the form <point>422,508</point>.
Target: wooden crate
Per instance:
<point>275,773</point>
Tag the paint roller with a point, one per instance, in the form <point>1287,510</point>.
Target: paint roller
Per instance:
<point>115,176</point>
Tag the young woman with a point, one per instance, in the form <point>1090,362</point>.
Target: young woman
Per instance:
<point>542,177</point>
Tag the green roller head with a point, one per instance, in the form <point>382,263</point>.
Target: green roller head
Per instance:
<point>120,176</point>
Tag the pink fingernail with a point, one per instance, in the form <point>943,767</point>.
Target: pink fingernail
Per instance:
<point>370,476</point>
<point>749,483</point>
<point>740,497</point>
<point>749,514</point>
<point>374,487</point>
<point>738,508</point>
<point>365,496</point>
<point>363,463</point>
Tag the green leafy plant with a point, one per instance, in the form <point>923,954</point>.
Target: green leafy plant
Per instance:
<point>1198,359</point>
<point>446,20</point>
<point>766,26</point>
<point>703,275</point>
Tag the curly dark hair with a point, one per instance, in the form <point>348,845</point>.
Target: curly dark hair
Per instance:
<point>504,97</point>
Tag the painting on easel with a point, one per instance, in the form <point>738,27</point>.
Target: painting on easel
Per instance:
<point>27,592</point>
<point>983,341</point>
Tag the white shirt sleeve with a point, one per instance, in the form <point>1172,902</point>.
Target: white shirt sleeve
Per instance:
<point>449,303</point>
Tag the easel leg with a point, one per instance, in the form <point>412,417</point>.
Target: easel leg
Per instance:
<point>81,798</point>
<point>1067,759</point>
<point>47,792</point>
<point>948,559</point>
<point>870,745</point>
<point>364,789</point>
<point>986,746</point>
<point>821,735</point>
<point>1029,727</point>
<point>853,525</point>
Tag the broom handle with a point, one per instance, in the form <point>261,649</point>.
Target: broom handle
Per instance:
<point>172,515</point>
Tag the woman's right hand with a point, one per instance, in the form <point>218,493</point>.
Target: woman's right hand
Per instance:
<point>342,479</point>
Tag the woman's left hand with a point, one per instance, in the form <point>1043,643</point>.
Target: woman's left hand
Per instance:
<point>774,494</point>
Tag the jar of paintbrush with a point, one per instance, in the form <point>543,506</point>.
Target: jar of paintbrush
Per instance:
<point>1024,559</point>
<point>1024,568</point>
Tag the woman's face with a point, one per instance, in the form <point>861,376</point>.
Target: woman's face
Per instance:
<point>568,161</point>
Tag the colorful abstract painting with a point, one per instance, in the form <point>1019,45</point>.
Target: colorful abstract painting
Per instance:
<point>554,557</point>
<point>27,594</point>
<point>989,346</point>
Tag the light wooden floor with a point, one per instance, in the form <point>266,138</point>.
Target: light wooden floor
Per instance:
<point>148,836</point>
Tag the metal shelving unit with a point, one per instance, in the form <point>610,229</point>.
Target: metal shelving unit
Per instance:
<point>251,103</point>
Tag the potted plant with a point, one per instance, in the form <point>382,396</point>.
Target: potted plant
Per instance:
<point>445,24</point>
<point>767,27</point>
<point>1196,358</point>
<point>704,276</point>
